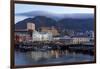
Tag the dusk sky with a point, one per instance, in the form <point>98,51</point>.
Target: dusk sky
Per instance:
<point>21,8</point>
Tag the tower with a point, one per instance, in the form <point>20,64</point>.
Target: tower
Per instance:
<point>30,26</point>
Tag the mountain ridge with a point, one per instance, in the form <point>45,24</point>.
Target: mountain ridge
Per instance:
<point>55,16</point>
<point>65,23</point>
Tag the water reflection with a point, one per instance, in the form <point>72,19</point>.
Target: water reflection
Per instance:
<point>38,55</point>
<point>52,56</point>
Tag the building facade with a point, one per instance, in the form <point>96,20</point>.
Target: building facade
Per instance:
<point>80,39</point>
<point>52,30</point>
<point>24,35</point>
<point>41,36</point>
<point>31,26</point>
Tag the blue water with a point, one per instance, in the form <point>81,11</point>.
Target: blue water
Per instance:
<point>50,57</point>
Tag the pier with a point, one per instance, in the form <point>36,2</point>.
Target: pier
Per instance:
<point>43,46</point>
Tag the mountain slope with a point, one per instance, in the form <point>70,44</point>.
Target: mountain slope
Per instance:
<point>65,23</point>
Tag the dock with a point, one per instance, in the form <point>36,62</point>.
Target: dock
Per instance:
<point>44,46</point>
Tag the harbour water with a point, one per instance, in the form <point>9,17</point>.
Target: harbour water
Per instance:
<point>51,57</point>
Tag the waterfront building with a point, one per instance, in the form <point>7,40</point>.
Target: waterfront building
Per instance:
<point>41,36</point>
<point>92,34</point>
<point>66,39</point>
<point>52,30</point>
<point>56,38</point>
<point>30,34</point>
<point>80,39</point>
<point>24,35</point>
<point>63,39</point>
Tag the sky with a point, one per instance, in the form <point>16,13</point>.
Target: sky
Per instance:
<point>22,8</point>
